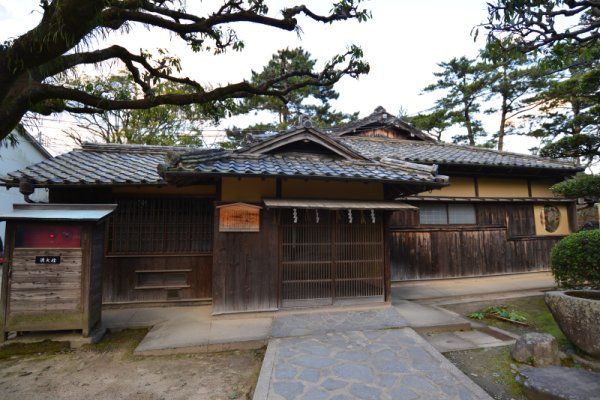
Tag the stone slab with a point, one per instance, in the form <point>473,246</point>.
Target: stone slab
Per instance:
<point>382,364</point>
<point>426,318</point>
<point>336,321</point>
<point>560,383</point>
<point>455,341</point>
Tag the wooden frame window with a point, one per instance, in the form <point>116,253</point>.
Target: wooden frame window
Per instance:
<point>447,214</point>
<point>161,226</point>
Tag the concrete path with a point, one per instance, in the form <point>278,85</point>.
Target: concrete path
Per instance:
<point>316,323</point>
<point>381,364</point>
<point>189,329</point>
<point>504,286</point>
<point>426,318</point>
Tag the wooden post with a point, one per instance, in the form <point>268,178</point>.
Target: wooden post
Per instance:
<point>387,248</point>
<point>86,247</point>
<point>8,246</point>
<point>572,215</point>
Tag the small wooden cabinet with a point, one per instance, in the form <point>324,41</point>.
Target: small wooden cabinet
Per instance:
<point>52,274</point>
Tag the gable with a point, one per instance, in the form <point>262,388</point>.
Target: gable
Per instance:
<point>385,132</point>
<point>306,141</point>
<point>380,123</point>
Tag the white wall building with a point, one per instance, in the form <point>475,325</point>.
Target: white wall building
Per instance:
<point>28,151</point>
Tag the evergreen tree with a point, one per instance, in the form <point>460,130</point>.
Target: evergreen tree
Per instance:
<point>313,101</point>
<point>465,82</point>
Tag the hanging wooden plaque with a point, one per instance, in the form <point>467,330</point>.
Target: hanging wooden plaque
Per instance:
<point>239,217</point>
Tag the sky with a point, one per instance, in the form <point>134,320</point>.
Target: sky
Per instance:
<point>403,43</point>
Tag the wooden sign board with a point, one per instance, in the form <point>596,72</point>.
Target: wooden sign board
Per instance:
<point>239,217</point>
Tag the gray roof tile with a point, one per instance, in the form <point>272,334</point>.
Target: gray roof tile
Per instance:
<point>233,163</point>
<point>98,164</point>
<point>448,154</point>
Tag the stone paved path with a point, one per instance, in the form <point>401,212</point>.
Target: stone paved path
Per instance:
<point>377,364</point>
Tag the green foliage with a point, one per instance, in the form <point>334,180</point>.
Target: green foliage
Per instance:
<point>312,101</point>
<point>434,123</point>
<point>511,78</point>
<point>498,311</point>
<point>464,82</point>
<point>575,260</point>
<point>581,186</point>
<point>569,121</point>
<point>162,125</point>
<point>563,37</point>
<point>73,33</point>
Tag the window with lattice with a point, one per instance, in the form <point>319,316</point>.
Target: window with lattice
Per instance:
<point>161,226</point>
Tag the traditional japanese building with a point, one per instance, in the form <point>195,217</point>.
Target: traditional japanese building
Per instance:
<point>309,218</point>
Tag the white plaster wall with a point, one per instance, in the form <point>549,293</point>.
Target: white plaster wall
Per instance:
<point>12,159</point>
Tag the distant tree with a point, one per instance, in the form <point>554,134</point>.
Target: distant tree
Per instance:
<point>534,25</point>
<point>465,82</point>
<point>68,32</point>
<point>512,77</point>
<point>563,35</point>
<point>569,101</point>
<point>312,101</point>
<point>162,125</point>
<point>434,123</point>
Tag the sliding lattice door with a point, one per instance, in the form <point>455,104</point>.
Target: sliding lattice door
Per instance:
<point>328,259</point>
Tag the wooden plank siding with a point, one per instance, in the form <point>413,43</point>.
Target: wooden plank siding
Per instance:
<point>151,231</point>
<point>245,275</point>
<point>43,296</point>
<point>121,278</point>
<point>502,242</point>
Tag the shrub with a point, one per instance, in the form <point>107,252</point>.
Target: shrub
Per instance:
<point>575,260</point>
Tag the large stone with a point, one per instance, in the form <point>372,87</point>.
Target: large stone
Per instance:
<point>541,349</point>
<point>558,383</point>
<point>577,313</point>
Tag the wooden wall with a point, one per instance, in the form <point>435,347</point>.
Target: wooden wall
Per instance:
<point>245,276</point>
<point>121,269</point>
<point>120,278</point>
<point>502,242</point>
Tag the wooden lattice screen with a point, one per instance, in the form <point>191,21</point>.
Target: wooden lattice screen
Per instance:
<point>331,260</point>
<point>161,226</point>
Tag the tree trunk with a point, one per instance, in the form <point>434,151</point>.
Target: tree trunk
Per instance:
<point>469,126</point>
<point>501,131</point>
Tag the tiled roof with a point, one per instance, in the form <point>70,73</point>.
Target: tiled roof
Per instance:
<point>98,164</point>
<point>448,154</point>
<point>231,163</point>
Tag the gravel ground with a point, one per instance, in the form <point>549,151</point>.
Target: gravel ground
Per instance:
<point>107,372</point>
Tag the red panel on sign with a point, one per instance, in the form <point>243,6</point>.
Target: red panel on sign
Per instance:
<point>48,236</point>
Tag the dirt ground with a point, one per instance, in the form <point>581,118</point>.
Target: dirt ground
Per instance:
<point>109,371</point>
<point>490,369</point>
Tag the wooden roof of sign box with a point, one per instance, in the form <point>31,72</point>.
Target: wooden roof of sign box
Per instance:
<point>59,212</point>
